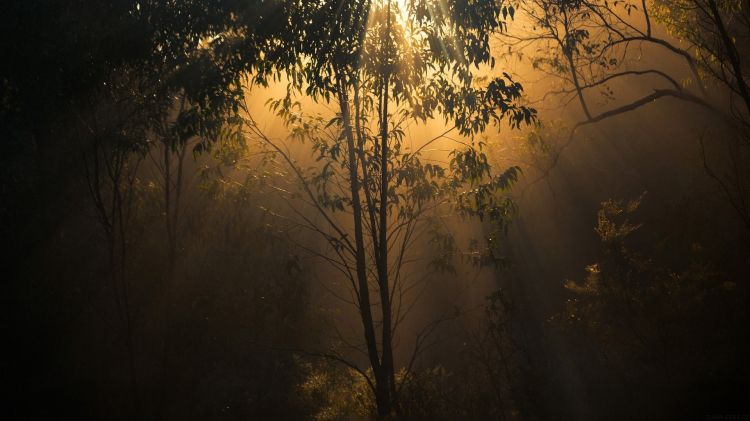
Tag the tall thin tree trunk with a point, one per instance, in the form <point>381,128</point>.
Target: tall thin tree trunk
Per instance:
<point>112,221</point>
<point>172,219</point>
<point>385,295</point>
<point>365,310</point>
<point>731,50</point>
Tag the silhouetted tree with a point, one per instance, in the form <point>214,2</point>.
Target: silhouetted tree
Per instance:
<point>382,68</point>
<point>590,46</point>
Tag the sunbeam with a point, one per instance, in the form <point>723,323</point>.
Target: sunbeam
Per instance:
<point>375,209</point>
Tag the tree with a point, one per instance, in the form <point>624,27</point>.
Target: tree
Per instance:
<point>644,314</point>
<point>385,66</point>
<point>590,46</point>
<point>84,87</point>
<point>114,147</point>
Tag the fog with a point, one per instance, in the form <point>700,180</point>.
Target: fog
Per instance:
<point>181,246</point>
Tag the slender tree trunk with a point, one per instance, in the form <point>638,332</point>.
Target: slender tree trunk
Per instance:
<point>385,295</point>
<point>383,281</point>
<point>172,196</point>
<point>731,50</point>
<point>365,310</point>
<point>112,221</point>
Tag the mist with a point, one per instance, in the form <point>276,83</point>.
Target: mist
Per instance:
<point>441,210</point>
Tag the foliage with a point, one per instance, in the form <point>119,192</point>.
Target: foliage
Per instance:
<point>601,55</point>
<point>647,317</point>
<point>385,69</point>
<point>331,392</point>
